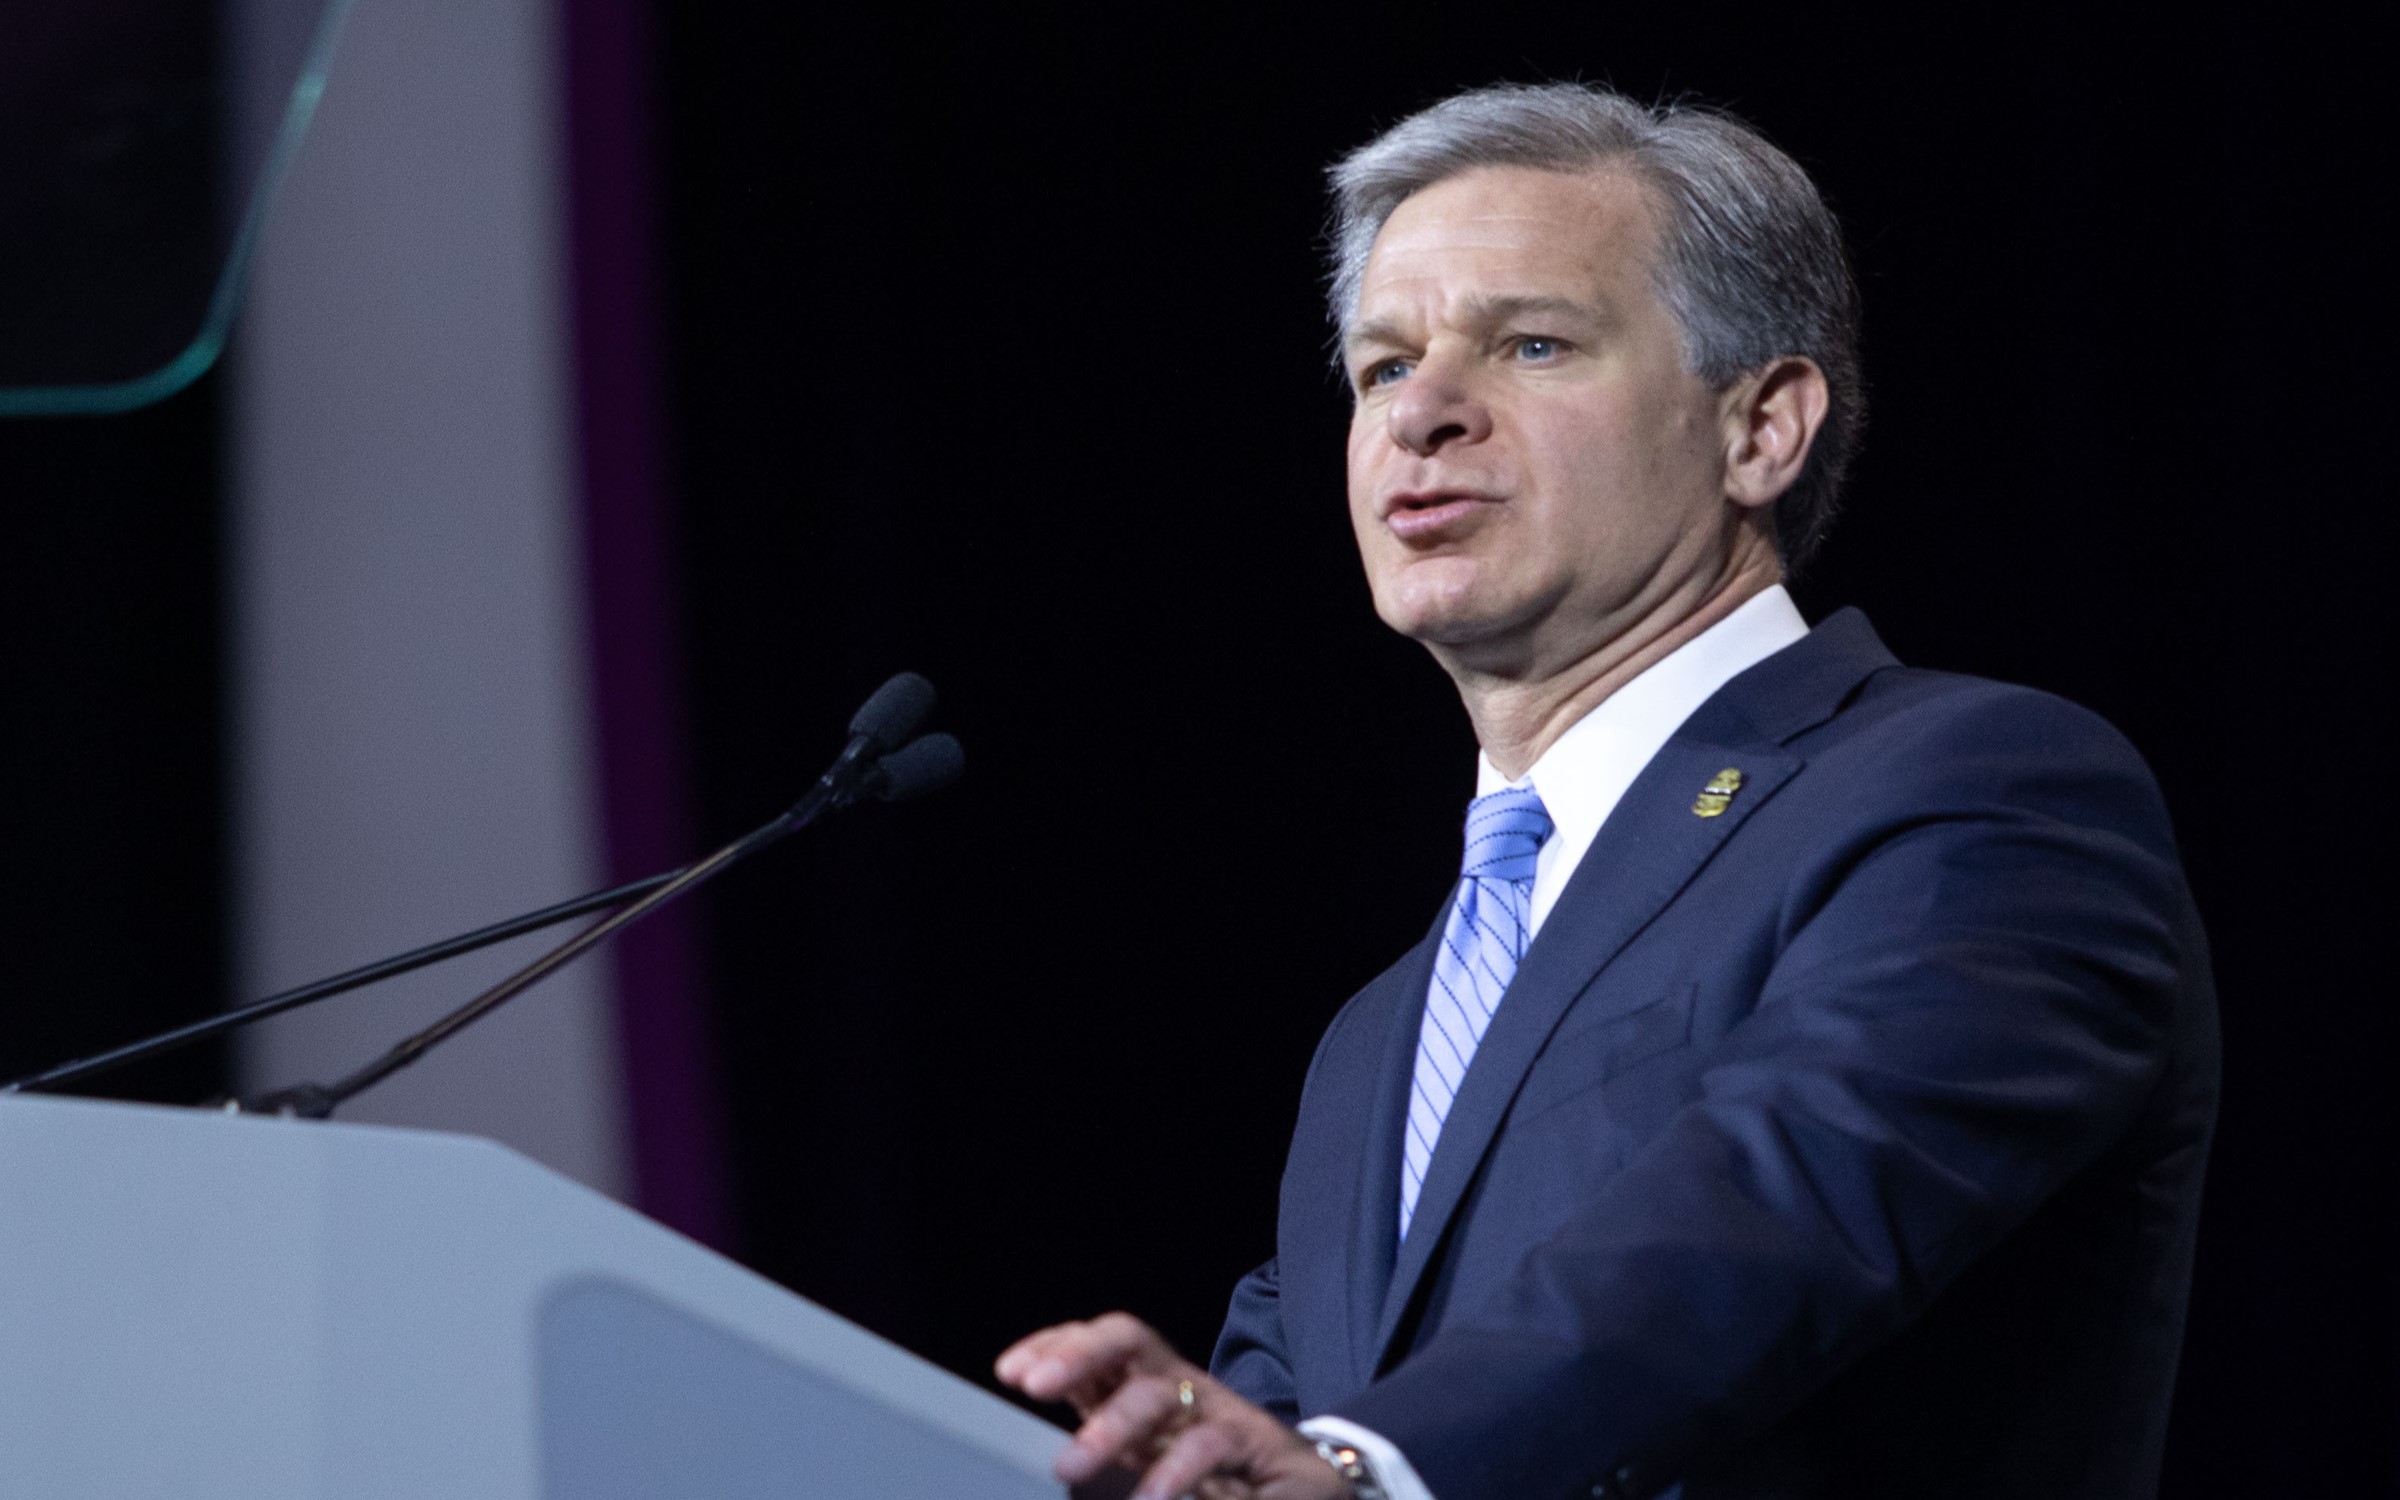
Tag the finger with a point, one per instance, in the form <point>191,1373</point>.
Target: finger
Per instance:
<point>1017,1357</point>
<point>1126,1426</point>
<point>1064,1366</point>
<point>1020,1356</point>
<point>1091,1357</point>
<point>1188,1461</point>
<point>1079,1333</point>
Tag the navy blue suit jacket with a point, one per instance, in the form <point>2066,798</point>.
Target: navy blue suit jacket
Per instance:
<point>1847,1143</point>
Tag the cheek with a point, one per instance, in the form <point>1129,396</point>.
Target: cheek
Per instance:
<point>1586,466</point>
<point>1359,445</point>
<point>1359,475</point>
<point>1616,472</point>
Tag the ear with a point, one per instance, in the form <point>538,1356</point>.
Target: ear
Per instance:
<point>1771,416</point>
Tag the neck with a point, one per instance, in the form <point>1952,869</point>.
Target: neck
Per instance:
<point>1516,718</point>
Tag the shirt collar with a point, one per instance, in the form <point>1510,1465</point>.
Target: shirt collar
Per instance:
<point>1584,772</point>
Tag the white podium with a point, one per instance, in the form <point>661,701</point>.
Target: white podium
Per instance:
<point>198,1306</point>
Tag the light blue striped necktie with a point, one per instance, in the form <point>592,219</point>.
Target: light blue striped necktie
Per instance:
<point>1490,923</point>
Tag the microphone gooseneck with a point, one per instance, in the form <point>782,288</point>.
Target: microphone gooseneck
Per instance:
<point>879,761</point>
<point>888,715</point>
<point>317,1101</point>
<point>68,1074</point>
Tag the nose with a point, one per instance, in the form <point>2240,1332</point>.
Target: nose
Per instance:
<point>1435,410</point>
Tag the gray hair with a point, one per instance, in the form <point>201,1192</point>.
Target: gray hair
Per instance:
<point>1751,264</point>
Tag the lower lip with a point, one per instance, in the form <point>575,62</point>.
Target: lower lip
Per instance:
<point>1427,522</point>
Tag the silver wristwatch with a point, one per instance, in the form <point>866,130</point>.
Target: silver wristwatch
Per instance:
<point>1352,1466</point>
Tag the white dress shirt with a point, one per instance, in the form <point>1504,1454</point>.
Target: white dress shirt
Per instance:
<point>1580,779</point>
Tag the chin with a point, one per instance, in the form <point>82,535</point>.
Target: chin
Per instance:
<point>1433,599</point>
<point>1464,625</point>
<point>1450,624</point>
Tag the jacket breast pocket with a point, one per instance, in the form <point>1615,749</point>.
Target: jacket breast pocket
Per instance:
<point>1580,1058</point>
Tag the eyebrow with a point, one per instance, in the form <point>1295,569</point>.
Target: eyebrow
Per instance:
<point>1480,312</point>
<point>1486,311</point>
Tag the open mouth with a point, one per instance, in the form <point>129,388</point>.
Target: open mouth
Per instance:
<point>1428,517</point>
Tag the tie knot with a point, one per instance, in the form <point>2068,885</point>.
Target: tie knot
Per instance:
<point>1504,833</point>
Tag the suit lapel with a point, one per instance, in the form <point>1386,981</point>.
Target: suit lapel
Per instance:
<point>1649,848</point>
<point>1375,1205</point>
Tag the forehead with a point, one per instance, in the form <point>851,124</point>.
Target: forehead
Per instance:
<point>1514,230</point>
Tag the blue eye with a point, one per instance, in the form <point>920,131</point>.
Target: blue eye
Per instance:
<point>1535,347</point>
<point>1385,373</point>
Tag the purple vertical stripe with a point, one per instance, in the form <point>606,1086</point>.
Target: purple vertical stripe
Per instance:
<point>676,1129</point>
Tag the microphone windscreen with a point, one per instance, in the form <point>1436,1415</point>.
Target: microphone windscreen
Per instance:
<point>893,713</point>
<point>918,767</point>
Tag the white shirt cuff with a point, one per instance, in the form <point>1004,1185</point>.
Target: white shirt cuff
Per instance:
<point>1388,1464</point>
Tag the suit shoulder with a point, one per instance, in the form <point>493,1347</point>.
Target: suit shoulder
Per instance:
<point>1913,733</point>
<point>1904,709</point>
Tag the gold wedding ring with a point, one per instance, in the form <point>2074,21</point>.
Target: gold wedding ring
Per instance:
<point>1185,1415</point>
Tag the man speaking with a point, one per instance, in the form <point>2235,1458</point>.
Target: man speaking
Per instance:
<point>1805,1089</point>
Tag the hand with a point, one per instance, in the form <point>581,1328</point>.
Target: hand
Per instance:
<point>1127,1385</point>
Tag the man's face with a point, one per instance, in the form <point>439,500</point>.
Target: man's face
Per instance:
<point>1531,467</point>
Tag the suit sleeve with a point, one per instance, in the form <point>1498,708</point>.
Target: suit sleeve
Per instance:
<point>1250,1356</point>
<point>1973,999</point>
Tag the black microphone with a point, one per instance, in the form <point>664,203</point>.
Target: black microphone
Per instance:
<point>883,722</point>
<point>892,712</point>
<point>920,766</point>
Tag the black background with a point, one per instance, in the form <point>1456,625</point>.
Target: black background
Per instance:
<point>998,353</point>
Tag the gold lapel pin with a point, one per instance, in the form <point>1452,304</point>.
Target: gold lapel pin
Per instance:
<point>1715,797</point>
